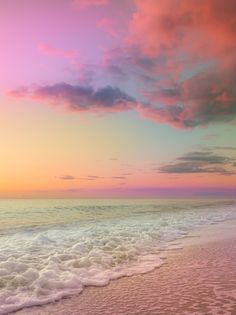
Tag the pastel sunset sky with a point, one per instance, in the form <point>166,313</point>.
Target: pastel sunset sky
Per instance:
<point>117,98</point>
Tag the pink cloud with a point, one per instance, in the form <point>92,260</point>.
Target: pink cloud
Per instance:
<point>179,36</point>
<point>183,53</point>
<point>185,34</point>
<point>200,100</point>
<point>201,27</point>
<point>18,93</point>
<point>49,50</point>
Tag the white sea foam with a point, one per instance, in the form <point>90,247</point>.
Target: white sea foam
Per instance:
<point>43,264</point>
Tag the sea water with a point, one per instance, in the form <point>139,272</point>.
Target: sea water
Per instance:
<point>50,249</point>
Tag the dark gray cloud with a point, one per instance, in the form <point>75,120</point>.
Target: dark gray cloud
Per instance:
<point>81,98</point>
<point>192,167</point>
<point>205,157</point>
<point>200,162</point>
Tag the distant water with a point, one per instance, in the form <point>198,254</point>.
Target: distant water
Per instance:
<point>50,249</point>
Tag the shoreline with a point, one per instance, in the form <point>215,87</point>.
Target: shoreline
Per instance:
<point>199,278</point>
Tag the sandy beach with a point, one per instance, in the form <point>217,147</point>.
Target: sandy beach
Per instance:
<point>198,279</point>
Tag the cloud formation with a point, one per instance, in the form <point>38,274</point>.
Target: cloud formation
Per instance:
<point>184,24</point>
<point>184,54</point>
<point>188,49</point>
<point>200,162</point>
<point>205,157</point>
<point>179,56</point>
<point>80,98</point>
<point>190,167</point>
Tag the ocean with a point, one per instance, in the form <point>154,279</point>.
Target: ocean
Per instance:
<point>50,249</point>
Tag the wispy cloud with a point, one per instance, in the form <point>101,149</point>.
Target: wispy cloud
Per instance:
<point>49,50</point>
<point>118,177</point>
<point>67,177</point>
<point>72,177</point>
<point>91,177</point>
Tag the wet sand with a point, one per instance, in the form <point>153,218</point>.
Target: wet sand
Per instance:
<point>199,279</point>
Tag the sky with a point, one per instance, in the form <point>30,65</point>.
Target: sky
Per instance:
<point>110,98</point>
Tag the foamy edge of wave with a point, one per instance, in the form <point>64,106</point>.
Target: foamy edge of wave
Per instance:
<point>97,274</point>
